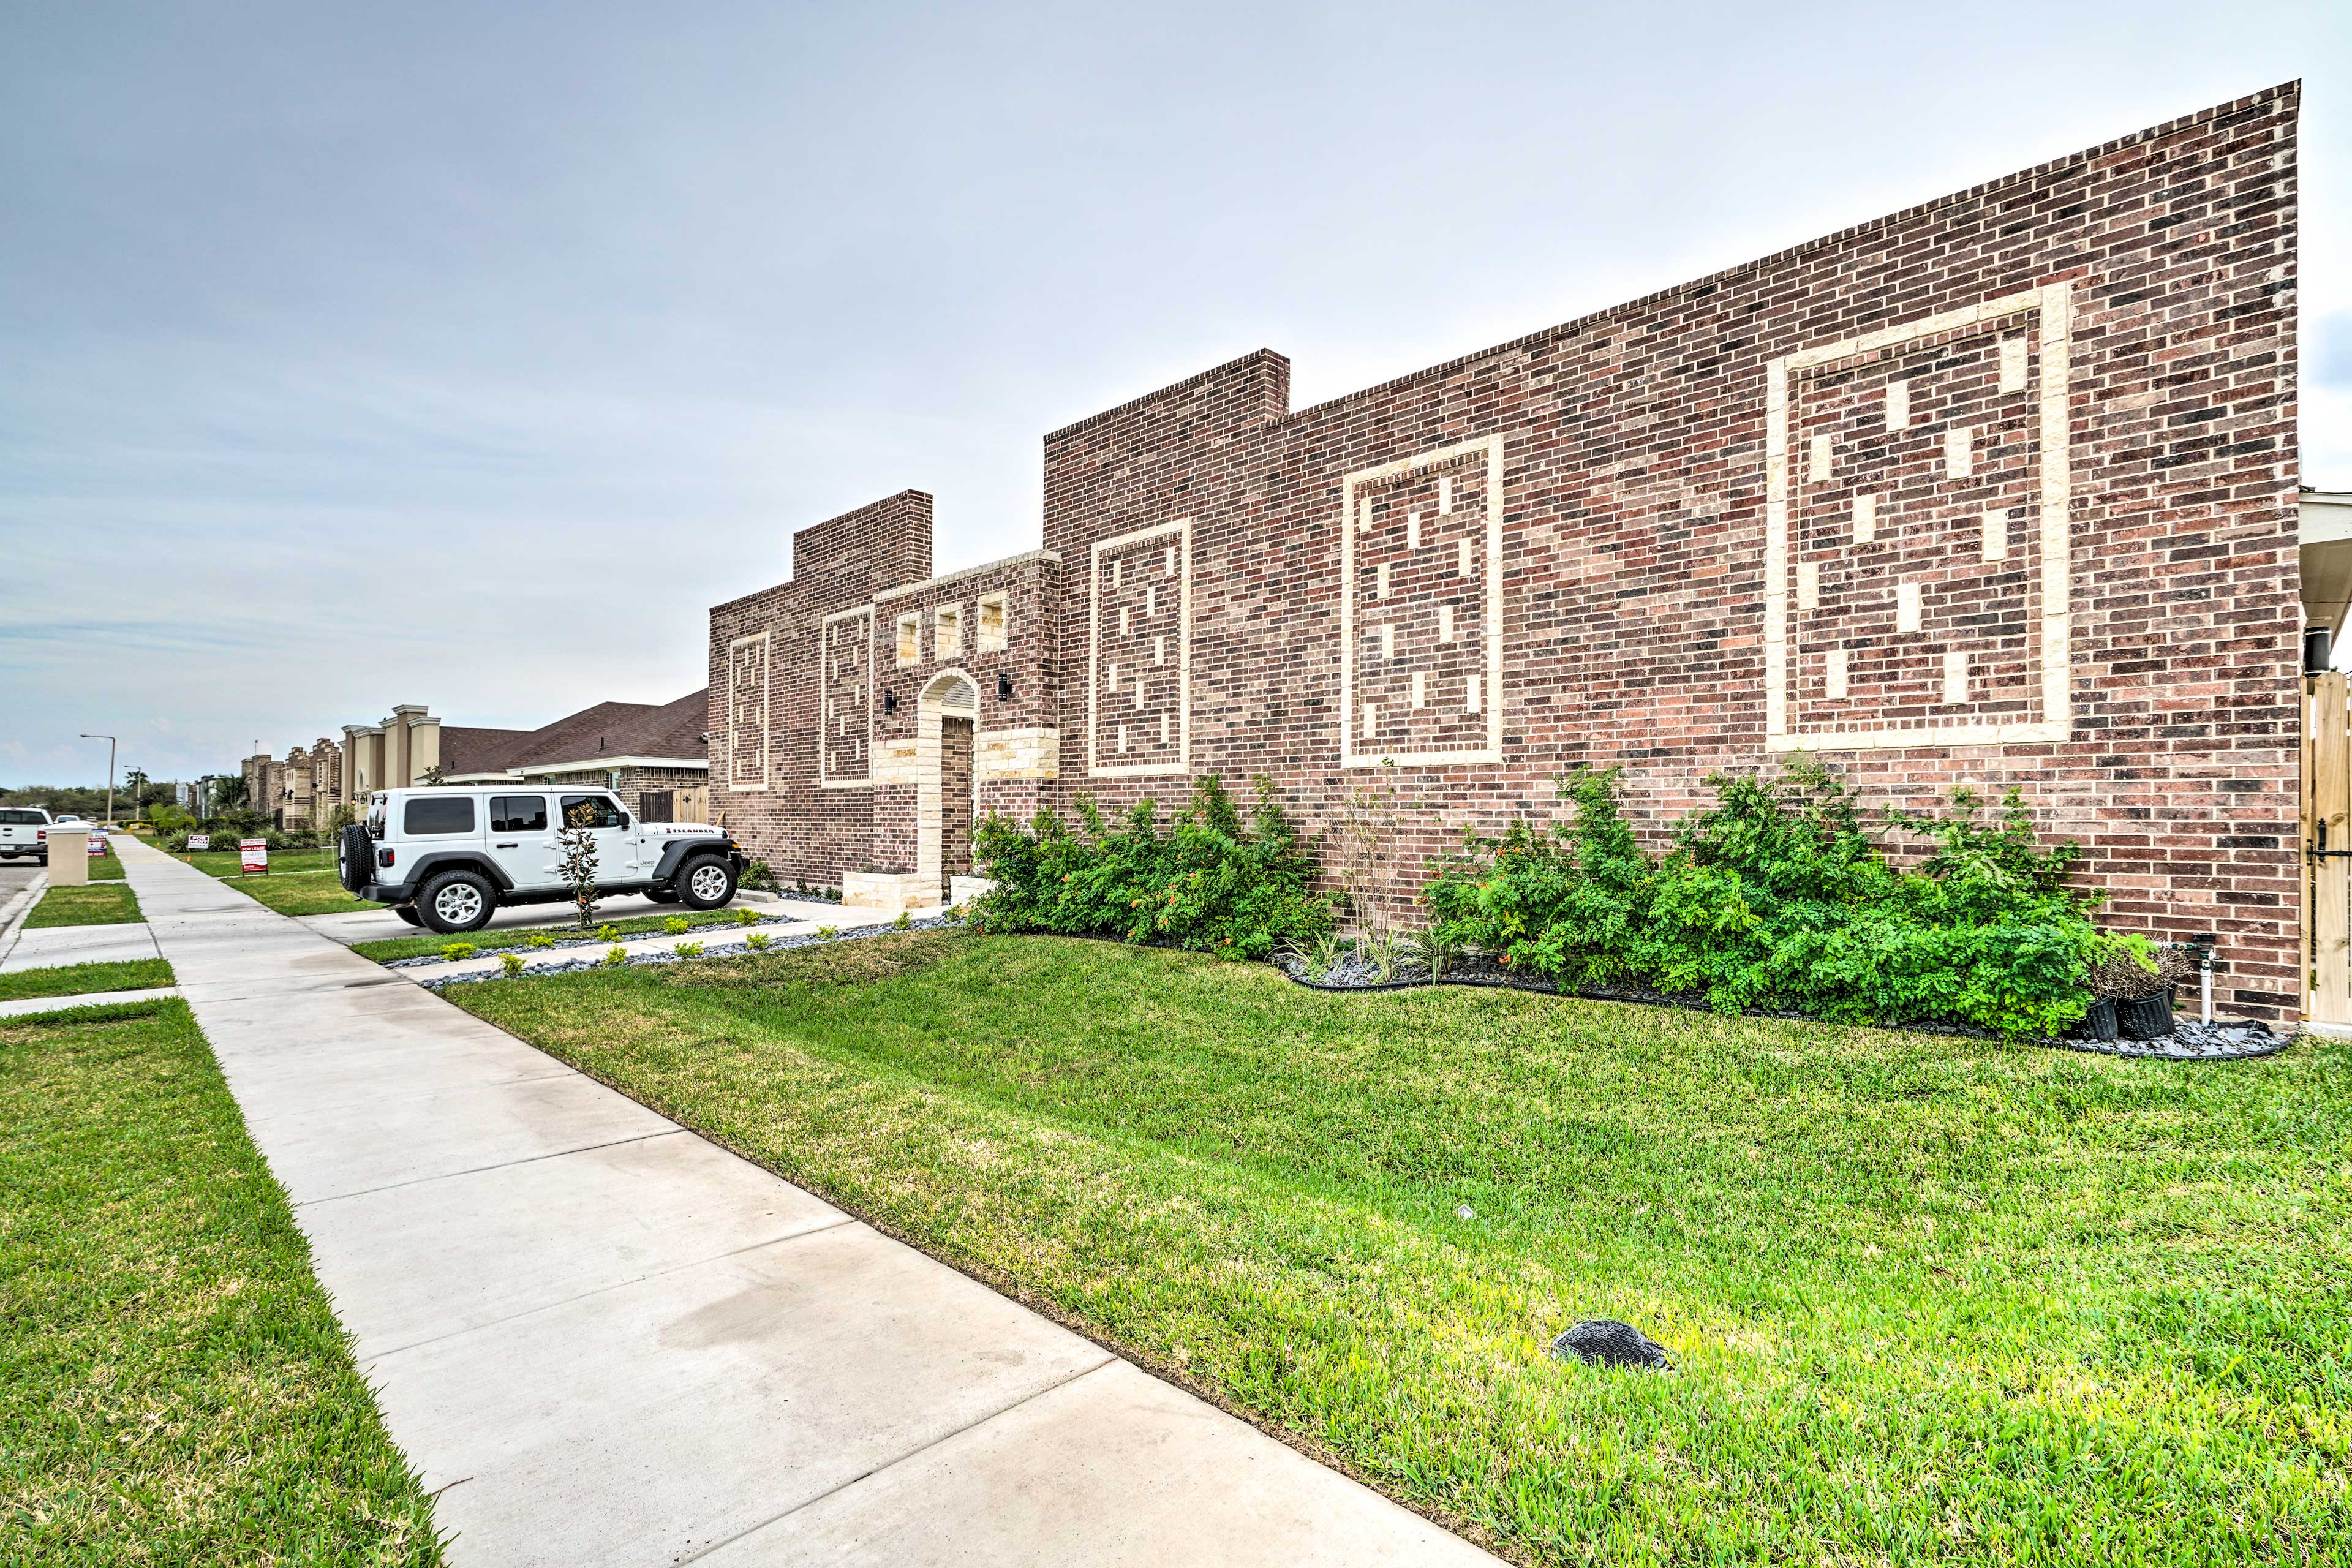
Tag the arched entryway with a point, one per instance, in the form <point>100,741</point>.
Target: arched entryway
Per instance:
<point>945,716</point>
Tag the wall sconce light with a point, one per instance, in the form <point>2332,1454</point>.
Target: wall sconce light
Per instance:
<point>889,702</point>
<point>1003,687</point>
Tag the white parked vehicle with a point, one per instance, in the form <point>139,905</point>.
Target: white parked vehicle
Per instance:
<point>447,858</point>
<point>24,830</point>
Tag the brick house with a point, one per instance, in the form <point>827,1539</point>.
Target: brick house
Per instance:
<point>2000,491</point>
<point>652,755</point>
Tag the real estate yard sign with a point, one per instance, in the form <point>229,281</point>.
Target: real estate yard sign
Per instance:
<point>254,854</point>
<point>199,841</point>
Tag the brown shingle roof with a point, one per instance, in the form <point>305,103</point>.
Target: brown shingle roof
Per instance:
<point>606,730</point>
<point>468,751</point>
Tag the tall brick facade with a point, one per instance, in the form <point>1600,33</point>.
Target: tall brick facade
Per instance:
<point>2000,491</point>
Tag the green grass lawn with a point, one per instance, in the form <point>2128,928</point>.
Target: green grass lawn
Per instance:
<point>105,868</point>
<point>99,904</point>
<point>299,893</point>
<point>299,881</point>
<point>1929,1299</point>
<point>394,947</point>
<point>80,979</point>
<point>229,864</point>
<point>174,1386</point>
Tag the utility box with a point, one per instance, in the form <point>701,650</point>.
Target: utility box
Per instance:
<point>69,857</point>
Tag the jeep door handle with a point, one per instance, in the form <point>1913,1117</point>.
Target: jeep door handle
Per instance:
<point>505,846</point>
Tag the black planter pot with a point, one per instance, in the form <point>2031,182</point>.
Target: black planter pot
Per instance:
<point>2099,1022</point>
<point>2148,1018</point>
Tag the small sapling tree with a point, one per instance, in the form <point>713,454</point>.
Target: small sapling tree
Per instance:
<point>578,843</point>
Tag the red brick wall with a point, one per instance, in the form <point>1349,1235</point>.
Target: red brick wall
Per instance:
<point>1647,464</point>
<point>801,829</point>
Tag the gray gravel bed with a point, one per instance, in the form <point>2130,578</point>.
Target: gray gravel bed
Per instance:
<point>638,959</point>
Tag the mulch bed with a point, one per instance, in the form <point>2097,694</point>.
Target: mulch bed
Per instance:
<point>2191,1039</point>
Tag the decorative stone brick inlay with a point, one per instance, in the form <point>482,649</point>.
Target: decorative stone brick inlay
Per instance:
<point>747,712</point>
<point>1139,653</point>
<point>1420,622</point>
<point>1924,545</point>
<point>845,719</point>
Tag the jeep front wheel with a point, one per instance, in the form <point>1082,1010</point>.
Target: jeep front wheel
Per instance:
<point>706,882</point>
<point>457,901</point>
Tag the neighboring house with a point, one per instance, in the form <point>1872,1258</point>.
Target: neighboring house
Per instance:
<point>1998,491</point>
<point>651,756</point>
<point>271,785</point>
<point>2325,537</point>
<point>289,792</point>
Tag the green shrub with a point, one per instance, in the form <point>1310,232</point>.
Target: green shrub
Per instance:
<point>539,939</point>
<point>616,954</point>
<point>1777,896</point>
<point>758,942</point>
<point>748,917</point>
<point>690,950</point>
<point>453,951</point>
<point>1207,881</point>
<point>511,963</point>
<point>828,932</point>
<point>677,925</point>
<point>905,921</point>
<point>608,933</point>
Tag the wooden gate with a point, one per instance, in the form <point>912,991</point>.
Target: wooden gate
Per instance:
<point>2326,851</point>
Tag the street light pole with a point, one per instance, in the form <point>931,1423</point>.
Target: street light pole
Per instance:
<point>109,771</point>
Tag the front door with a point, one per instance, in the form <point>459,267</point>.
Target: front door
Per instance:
<point>522,843</point>
<point>955,799</point>
<point>617,844</point>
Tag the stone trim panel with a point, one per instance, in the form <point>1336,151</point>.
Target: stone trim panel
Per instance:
<point>1139,653</point>
<point>846,711</point>
<point>1421,609</point>
<point>748,667</point>
<point>1967,508</point>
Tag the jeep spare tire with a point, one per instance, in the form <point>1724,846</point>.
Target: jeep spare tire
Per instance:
<point>706,882</point>
<point>354,858</point>
<point>457,901</point>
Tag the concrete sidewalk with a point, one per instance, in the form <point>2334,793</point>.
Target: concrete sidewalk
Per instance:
<point>46,947</point>
<point>604,1341</point>
<point>25,1007</point>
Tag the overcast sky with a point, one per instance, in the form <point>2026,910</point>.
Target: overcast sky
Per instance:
<point>464,355</point>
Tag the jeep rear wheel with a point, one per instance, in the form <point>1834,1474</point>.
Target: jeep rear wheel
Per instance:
<point>457,901</point>
<point>706,882</point>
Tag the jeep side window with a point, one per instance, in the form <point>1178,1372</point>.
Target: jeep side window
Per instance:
<point>599,811</point>
<point>439,813</point>
<point>518,813</point>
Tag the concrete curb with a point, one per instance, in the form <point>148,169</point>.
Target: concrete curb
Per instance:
<point>17,911</point>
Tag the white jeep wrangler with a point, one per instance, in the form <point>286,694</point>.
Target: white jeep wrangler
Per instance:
<point>446,859</point>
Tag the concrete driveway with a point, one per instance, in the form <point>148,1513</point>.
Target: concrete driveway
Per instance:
<point>602,1340</point>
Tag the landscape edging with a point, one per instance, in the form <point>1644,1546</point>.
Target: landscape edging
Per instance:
<point>2134,1049</point>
